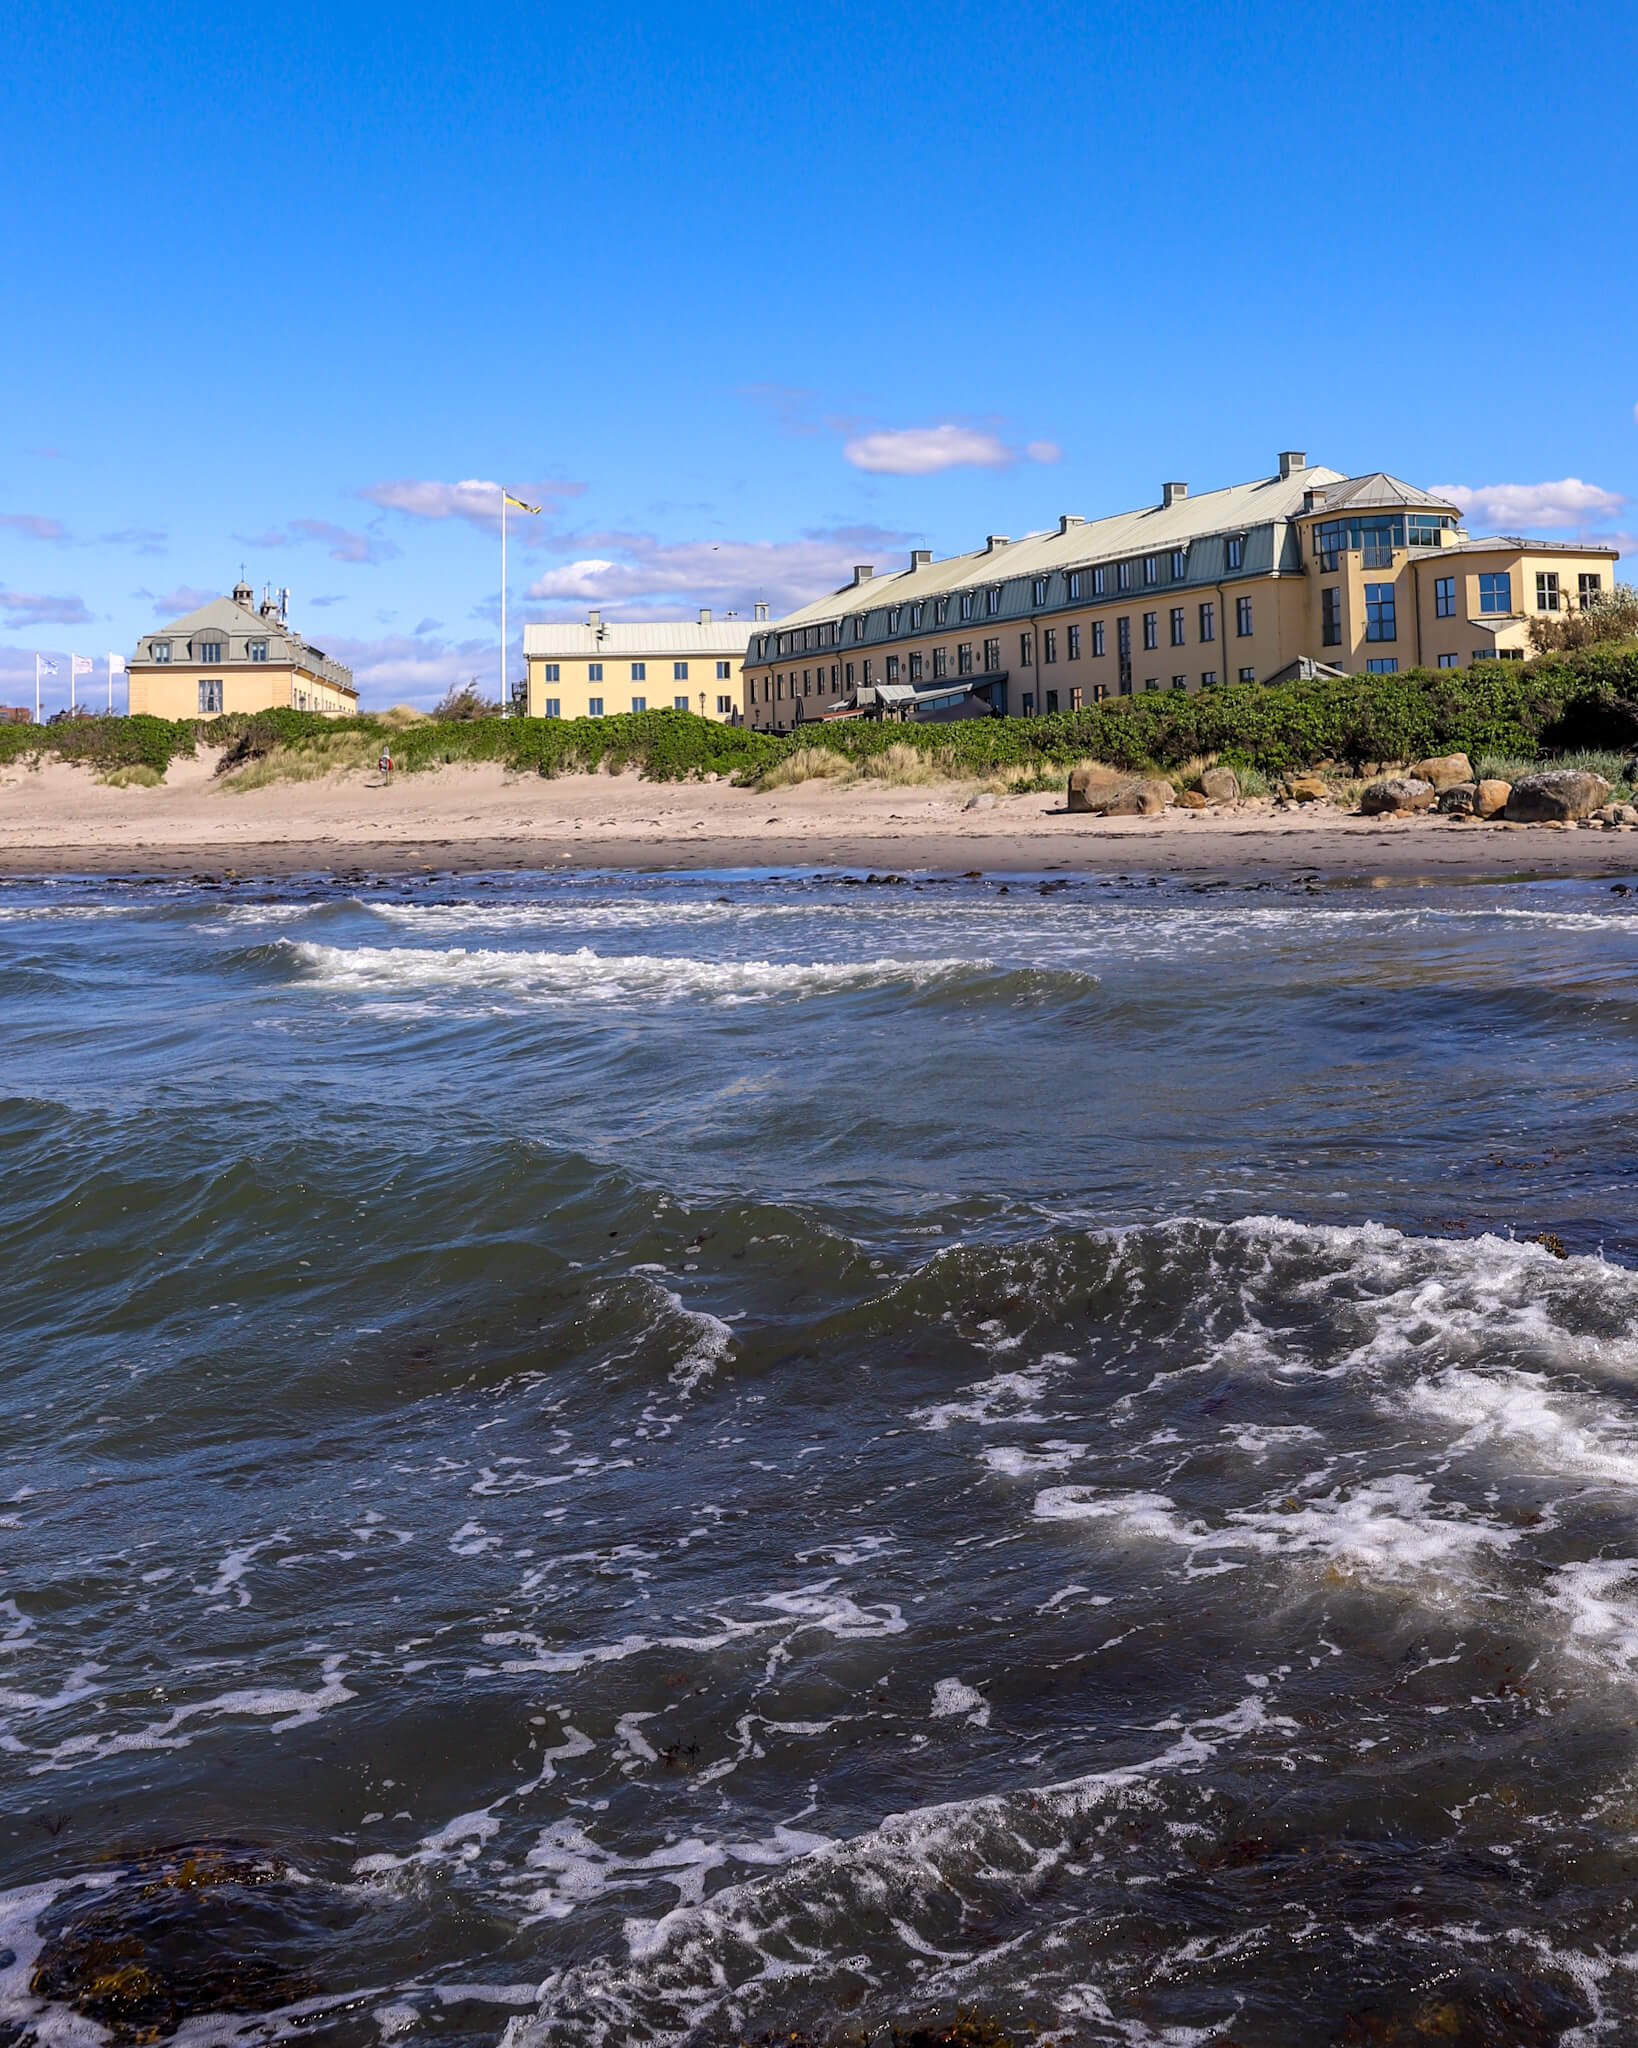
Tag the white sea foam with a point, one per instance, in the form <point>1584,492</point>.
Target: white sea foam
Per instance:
<point>1545,1429</point>
<point>954,1699</point>
<point>586,976</point>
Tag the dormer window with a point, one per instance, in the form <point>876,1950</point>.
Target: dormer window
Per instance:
<point>917,613</point>
<point>1180,564</point>
<point>209,651</point>
<point>160,650</point>
<point>992,599</point>
<point>941,610</point>
<point>895,614</point>
<point>256,650</point>
<point>1236,550</point>
<point>1151,568</point>
<point>1040,589</point>
<point>966,604</point>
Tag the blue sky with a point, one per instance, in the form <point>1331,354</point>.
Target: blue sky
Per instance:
<point>745,294</point>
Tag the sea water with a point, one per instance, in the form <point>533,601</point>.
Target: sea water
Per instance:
<point>678,1458</point>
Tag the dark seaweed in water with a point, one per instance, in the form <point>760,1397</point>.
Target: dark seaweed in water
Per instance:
<point>203,1929</point>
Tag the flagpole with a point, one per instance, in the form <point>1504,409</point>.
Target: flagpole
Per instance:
<point>73,670</point>
<point>503,603</point>
<point>36,689</point>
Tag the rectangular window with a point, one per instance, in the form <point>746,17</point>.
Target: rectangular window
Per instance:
<point>869,677</point>
<point>594,672</point>
<point>1025,651</point>
<point>915,668</point>
<point>679,671</point>
<point>1126,686</point>
<point>1496,593</point>
<point>1098,637</point>
<point>1074,583</point>
<point>1180,682</point>
<point>1381,621</point>
<point>966,604</point>
<point>725,670</point>
<point>941,662</point>
<point>895,612</point>
<point>554,707</point>
<point>1444,597</point>
<point>1151,568</point>
<point>1208,679</point>
<point>941,610</point>
<point>680,703</point>
<point>1051,702</point>
<point>1331,616</point>
<point>1208,624</point>
<point>639,671</point>
<point>992,599</point>
<point>594,707</point>
<point>892,668</point>
<point>1242,617</point>
<point>1546,590</point>
<point>1589,589</point>
<point>1049,644</point>
<point>550,672</point>
<point>1178,622</point>
<point>850,675</point>
<point>1236,551</point>
<point>1382,665</point>
<point>256,650</point>
<point>1074,643</point>
<point>725,707</point>
<point>859,624</point>
<point>210,698</point>
<point>1040,589</point>
<point>917,613</point>
<point>1151,682</point>
<point>1151,629</point>
<point>1099,583</point>
<point>1029,704</point>
<point>1123,576</point>
<point>639,703</point>
<point>209,650</point>
<point>161,650</point>
<point>1248,675</point>
<point>1123,637</point>
<point>1180,565</point>
<point>964,658</point>
<point>1450,661</point>
<point>1075,698</point>
<point>992,657</point>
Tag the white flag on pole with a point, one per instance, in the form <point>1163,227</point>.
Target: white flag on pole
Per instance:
<point>83,664</point>
<point>44,665</point>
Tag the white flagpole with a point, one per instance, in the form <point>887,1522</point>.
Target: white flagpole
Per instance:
<point>36,689</point>
<point>73,670</point>
<point>503,604</point>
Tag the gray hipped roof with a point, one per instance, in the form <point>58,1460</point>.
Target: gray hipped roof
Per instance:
<point>232,625</point>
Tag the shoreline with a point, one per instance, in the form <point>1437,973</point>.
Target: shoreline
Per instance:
<point>57,822</point>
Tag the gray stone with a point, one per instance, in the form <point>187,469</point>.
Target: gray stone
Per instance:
<point>1220,786</point>
<point>1092,785</point>
<point>984,801</point>
<point>1460,800</point>
<point>1559,796</point>
<point>1395,793</point>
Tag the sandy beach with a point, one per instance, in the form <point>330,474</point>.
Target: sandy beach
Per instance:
<point>59,820</point>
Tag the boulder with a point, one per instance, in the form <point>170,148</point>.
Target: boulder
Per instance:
<point>1460,800</point>
<point>1490,797</point>
<point>1391,793</point>
<point>1144,800</point>
<point>1092,785</point>
<point>1444,771</point>
<point>1220,785</point>
<point>1308,789</point>
<point>1191,800</point>
<point>1559,796</point>
<point>983,801</point>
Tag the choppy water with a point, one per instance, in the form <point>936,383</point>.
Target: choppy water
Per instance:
<point>683,1457</point>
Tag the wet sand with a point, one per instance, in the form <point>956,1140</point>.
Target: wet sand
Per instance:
<point>57,820</point>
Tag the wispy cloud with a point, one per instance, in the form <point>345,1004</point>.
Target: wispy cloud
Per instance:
<point>475,500</point>
<point>343,543</point>
<point>402,669</point>
<point>1517,507</point>
<point>34,524</point>
<point>636,569</point>
<point>336,597</point>
<point>147,540</point>
<point>172,604</point>
<point>27,608</point>
<point>924,451</point>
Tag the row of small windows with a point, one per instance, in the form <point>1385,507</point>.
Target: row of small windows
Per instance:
<point>553,673</point>
<point>1495,601</point>
<point>1078,583</point>
<point>1376,539</point>
<point>594,705</point>
<point>211,651</point>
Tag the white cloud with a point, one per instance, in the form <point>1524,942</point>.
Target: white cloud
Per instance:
<point>173,604</point>
<point>1516,508</point>
<point>399,669</point>
<point>635,569</point>
<point>26,608</point>
<point>924,451</point>
<point>475,500</point>
<point>34,524</point>
<point>343,543</point>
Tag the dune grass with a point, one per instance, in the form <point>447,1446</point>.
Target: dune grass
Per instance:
<point>136,775</point>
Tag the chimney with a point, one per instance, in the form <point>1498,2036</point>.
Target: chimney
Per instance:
<point>1174,494</point>
<point>1068,519</point>
<point>862,573</point>
<point>705,618</point>
<point>1291,460</point>
<point>595,621</point>
<point>761,613</point>
<point>995,541</point>
<point>920,557</point>
<point>1310,500</point>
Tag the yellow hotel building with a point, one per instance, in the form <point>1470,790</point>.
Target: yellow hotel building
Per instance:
<point>600,668</point>
<point>1300,573</point>
<point>231,655</point>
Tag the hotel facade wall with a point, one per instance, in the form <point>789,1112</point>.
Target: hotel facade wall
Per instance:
<point>711,686</point>
<point>1056,650</point>
<point>173,689</point>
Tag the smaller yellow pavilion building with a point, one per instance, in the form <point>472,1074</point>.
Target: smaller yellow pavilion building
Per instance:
<point>605,667</point>
<point>233,655</point>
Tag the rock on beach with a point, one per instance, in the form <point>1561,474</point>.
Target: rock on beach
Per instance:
<point>1391,793</point>
<point>1558,796</point>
